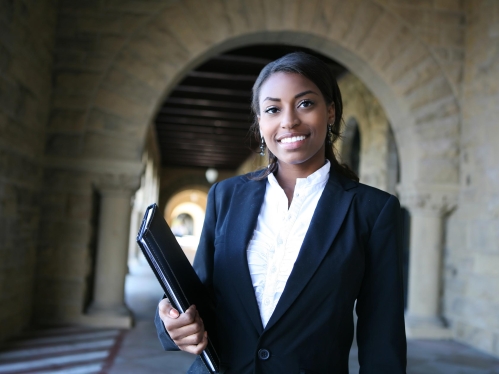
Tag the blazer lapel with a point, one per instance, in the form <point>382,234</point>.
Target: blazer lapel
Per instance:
<point>245,207</point>
<point>326,222</point>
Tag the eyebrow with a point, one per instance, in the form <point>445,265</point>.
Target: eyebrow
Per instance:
<point>296,96</point>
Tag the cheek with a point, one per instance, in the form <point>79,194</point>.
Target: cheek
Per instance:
<point>265,128</point>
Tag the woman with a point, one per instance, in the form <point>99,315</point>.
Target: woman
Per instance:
<point>289,250</point>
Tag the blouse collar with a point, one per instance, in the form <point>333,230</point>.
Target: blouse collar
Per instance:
<point>318,177</point>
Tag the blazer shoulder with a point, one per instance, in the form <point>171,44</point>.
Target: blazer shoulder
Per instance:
<point>229,184</point>
<point>362,191</point>
<point>373,199</point>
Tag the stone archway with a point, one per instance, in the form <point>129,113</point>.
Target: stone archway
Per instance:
<point>399,68</point>
<point>377,42</point>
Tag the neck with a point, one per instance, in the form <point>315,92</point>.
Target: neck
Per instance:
<point>287,174</point>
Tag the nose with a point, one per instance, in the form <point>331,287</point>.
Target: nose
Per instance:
<point>289,119</point>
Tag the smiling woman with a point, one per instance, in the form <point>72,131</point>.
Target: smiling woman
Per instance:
<point>293,123</point>
<point>309,86</point>
<point>287,252</point>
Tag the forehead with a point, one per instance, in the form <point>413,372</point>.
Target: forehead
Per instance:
<point>282,85</point>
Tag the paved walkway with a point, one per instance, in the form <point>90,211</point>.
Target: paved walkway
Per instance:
<point>67,350</point>
<point>141,352</point>
<point>77,350</point>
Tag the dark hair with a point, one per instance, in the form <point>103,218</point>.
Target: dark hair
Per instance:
<point>321,75</point>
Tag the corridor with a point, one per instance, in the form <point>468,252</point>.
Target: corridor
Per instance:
<point>141,352</point>
<point>75,350</point>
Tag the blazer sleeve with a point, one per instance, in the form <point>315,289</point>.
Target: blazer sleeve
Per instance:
<point>380,304</point>
<point>203,265</point>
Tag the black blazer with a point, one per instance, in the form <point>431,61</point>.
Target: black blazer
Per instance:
<point>352,251</point>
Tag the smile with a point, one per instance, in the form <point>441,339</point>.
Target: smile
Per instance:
<point>293,139</point>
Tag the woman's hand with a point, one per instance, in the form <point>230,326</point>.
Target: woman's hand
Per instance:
<point>186,329</point>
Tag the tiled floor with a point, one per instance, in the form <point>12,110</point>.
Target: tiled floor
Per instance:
<point>66,350</point>
<point>76,350</point>
<point>141,352</point>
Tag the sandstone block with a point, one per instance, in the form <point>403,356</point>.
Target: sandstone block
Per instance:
<point>130,86</point>
<point>273,14</point>
<point>112,146</point>
<point>80,207</point>
<point>99,120</point>
<point>67,120</point>
<point>343,19</point>
<point>73,101</point>
<point>199,13</point>
<point>385,27</point>
<point>487,265</point>
<point>76,81</point>
<point>121,105</point>
<point>323,18</point>
<point>449,5</point>
<point>139,7</point>
<point>112,43</point>
<point>183,27</point>
<point>63,144</point>
<point>366,17</point>
<point>64,262</point>
<point>27,141</point>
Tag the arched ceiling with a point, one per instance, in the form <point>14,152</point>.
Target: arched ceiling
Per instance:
<point>205,120</point>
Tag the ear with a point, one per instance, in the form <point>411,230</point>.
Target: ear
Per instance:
<point>331,112</point>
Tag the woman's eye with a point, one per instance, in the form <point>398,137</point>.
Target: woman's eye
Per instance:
<point>271,110</point>
<point>305,103</point>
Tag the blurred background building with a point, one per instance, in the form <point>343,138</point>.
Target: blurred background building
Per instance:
<point>109,105</point>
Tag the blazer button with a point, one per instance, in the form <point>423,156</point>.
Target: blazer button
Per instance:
<point>263,354</point>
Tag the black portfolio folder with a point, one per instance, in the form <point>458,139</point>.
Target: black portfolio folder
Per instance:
<point>177,277</point>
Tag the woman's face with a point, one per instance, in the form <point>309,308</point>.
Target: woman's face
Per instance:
<point>293,120</point>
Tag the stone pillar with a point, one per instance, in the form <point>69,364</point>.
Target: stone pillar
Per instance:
<point>428,207</point>
<point>108,306</point>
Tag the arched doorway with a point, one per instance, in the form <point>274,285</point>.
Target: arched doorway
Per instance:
<point>185,212</point>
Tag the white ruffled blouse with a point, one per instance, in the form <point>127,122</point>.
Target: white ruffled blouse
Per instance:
<point>278,236</point>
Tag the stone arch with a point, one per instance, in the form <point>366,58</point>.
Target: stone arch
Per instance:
<point>188,182</point>
<point>365,36</point>
<point>399,64</point>
<point>185,196</point>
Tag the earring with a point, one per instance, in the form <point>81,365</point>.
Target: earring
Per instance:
<point>262,147</point>
<point>329,136</point>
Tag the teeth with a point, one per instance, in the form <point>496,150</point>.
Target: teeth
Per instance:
<point>293,139</point>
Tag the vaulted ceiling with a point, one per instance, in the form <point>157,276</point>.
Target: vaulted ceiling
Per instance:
<point>206,119</point>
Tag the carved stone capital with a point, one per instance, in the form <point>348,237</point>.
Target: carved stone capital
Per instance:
<point>439,199</point>
<point>123,184</point>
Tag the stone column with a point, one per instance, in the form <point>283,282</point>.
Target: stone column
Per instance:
<point>108,306</point>
<point>428,207</point>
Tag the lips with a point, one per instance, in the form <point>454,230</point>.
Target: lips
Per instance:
<point>291,138</point>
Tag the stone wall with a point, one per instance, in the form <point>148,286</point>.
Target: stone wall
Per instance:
<point>361,105</point>
<point>26,44</point>
<point>471,292</point>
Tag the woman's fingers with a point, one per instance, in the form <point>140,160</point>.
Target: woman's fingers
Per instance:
<point>196,349</point>
<point>166,309</point>
<point>186,329</point>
